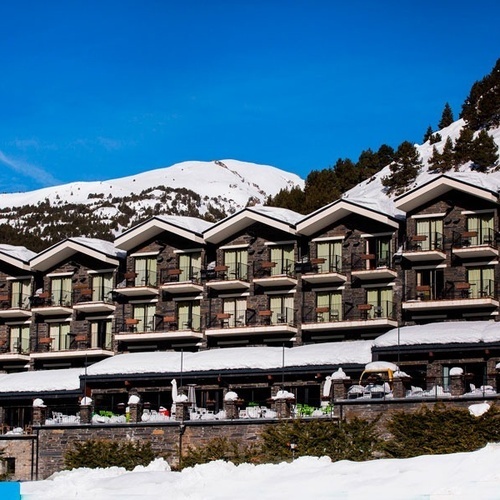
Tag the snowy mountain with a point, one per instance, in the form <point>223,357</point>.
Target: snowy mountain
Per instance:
<point>103,209</point>
<point>373,194</point>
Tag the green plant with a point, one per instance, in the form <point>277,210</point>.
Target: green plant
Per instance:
<point>96,453</point>
<point>440,430</point>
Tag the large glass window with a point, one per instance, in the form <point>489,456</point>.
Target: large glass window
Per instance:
<point>329,306</point>
<point>283,256</point>
<point>378,252</point>
<point>482,225</point>
<point>20,294</point>
<point>100,332</point>
<point>145,314</point>
<point>482,281</point>
<point>430,284</point>
<point>282,308</point>
<point>59,332</point>
<point>381,301</point>
<point>61,291</point>
<point>102,284</point>
<point>190,265</point>
<point>188,315</point>
<point>145,268</point>
<point>237,263</point>
<point>432,230</point>
<point>236,308</point>
<point>20,338</point>
<point>331,252</point>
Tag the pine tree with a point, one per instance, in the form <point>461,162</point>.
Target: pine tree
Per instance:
<point>442,162</point>
<point>428,134</point>
<point>481,109</point>
<point>404,169</point>
<point>446,117</point>
<point>485,152</point>
<point>435,138</point>
<point>463,146</point>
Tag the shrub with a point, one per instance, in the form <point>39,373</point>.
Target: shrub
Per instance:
<point>96,453</point>
<point>440,430</point>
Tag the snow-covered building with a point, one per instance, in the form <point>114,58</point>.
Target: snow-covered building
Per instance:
<point>245,302</point>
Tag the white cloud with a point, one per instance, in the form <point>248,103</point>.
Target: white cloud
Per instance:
<point>31,171</point>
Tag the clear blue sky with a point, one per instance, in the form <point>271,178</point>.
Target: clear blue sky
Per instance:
<point>94,90</point>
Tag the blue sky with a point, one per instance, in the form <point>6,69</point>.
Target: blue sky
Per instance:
<point>93,90</point>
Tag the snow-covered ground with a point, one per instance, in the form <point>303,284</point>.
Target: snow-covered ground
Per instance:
<point>455,476</point>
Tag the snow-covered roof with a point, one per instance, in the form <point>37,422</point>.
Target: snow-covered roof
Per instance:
<point>98,249</point>
<point>189,228</point>
<point>279,218</point>
<point>17,256</point>
<point>42,381</point>
<point>459,332</point>
<point>339,209</point>
<point>334,353</point>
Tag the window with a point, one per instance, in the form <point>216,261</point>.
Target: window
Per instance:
<point>190,265</point>
<point>21,292</point>
<point>378,252</point>
<point>284,258</point>
<point>145,268</point>
<point>145,313</point>
<point>432,229</point>
<point>59,332</point>
<point>102,284</point>
<point>100,332</point>
<point>188,315</point>
<point>331,251</point>
<point>237,309</point>
<point>61,291</point>
<point>237,263</point>
<point>20,338</point>
<point>430,284</point>
<point>483,226</point>
<point>381,302</point>
<point>282,309</point>
<point>329,306</point>
<point>482,281</point>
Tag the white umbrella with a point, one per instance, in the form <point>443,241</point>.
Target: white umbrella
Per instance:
<point>192,395</point>
<point>174,390</point>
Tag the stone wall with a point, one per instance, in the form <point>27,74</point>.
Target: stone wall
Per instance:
<point>167,438</point>
<point>21,449</point>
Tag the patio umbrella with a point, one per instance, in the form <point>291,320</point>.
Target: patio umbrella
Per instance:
<point>174,390</point>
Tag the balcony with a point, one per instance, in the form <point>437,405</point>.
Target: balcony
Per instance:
<point>277,273</point>
<point>55,303</point>
<point>453,295</point>
<point>181,280</point>
<point>131,284</point>
<point>322,271</point>
<point>13,352</point>
<point>15,306</point>
<point>68,346</point>
<point>252,322</point>
<point>472,244</point>
<point>349,316</point>
<point>161,328</point>
<point>425,247</point>
<point>227,277</point>
<point>372,266</point>
<point>92,301</point>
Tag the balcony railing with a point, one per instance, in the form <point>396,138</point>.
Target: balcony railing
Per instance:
<point>185,273</point>
<point>102,294</point>
<point>224,272</point>
<point>253,318</point>
<point>425,241</point>
<point>277,267</point>
<point>467,239</point>
<point>453,290</point>
<point>370,261</point>
<point>350,312</point>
